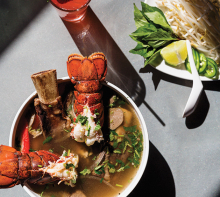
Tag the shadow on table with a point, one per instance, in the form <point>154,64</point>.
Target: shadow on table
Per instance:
<point>15,17</point>
<point>91,36</point>
<point>197,118</point>
<point>157,179</point>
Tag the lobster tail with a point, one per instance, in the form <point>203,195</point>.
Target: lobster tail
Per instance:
<point>9,170</point>
<point>101,65</point>
<point>16,166</point>
<point>87,74</point>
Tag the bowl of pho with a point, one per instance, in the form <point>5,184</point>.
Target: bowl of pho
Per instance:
<point>109,143</point>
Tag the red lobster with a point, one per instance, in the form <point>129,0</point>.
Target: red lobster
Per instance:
<point>87,74</point>
<point>16,167</point>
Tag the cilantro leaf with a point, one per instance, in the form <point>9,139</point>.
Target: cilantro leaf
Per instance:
<point>81,119</point>
<point>69,165</point>
<point>85,172</point>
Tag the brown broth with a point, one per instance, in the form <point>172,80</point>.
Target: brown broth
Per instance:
<point>91,187</point>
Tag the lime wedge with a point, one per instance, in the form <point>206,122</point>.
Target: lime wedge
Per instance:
<point>175,53</point>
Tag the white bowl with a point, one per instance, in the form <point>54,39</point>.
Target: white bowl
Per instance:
<point>145,153</point>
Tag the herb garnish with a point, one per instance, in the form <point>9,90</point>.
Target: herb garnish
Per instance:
<point>153,33</point>
<point>98,126</point>
<point>81,119</point>
<point>31,150</point>
<point>101,180</point>
<point>73,181</point>
<point>48,139</point>
<point>69,165</point>
<point>85,172</point>
<point>89,131</point>
<point>96,112</point>
<point>46,187</point>
<point>67,130</point>
<point>131,143</point>
<point>99,169</point>
<point>117,101</point>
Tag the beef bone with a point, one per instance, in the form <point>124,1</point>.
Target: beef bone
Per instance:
<point>49,105</point>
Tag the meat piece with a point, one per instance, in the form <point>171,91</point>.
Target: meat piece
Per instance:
<point>115,118</point>
<point>98,161</point>
<point>128,116</point>
<point>107,175</point>
<point>123,157</point>
<point>48,105</point>
<point>112,99</point>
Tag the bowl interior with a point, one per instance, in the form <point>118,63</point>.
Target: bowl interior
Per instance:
<point>62,84</point>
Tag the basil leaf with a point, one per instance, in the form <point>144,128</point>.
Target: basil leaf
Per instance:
<point>155,15</point>
<point>155,59</point>
<point>139,18</point>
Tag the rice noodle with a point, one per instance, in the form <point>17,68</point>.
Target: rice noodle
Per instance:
<point>197,21</point>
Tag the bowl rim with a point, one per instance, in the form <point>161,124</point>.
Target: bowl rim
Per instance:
<point>145,152</point>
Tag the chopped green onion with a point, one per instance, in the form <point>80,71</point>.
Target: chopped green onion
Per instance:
<point>119,185</point>
<point>67,130</point>
<point>117,151</point>
<point>68,154</point>
<point>98,167</point>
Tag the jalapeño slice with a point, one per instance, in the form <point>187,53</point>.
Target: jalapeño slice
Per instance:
<point>203,63</point>
<point>211,70</point>
<point>196,58</point>
<point>187,65</point>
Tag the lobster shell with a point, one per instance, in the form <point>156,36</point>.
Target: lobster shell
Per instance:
<point>16,167</point>
<point>87,74</point>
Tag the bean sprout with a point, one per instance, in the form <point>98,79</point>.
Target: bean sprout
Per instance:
<point>197,21</point>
